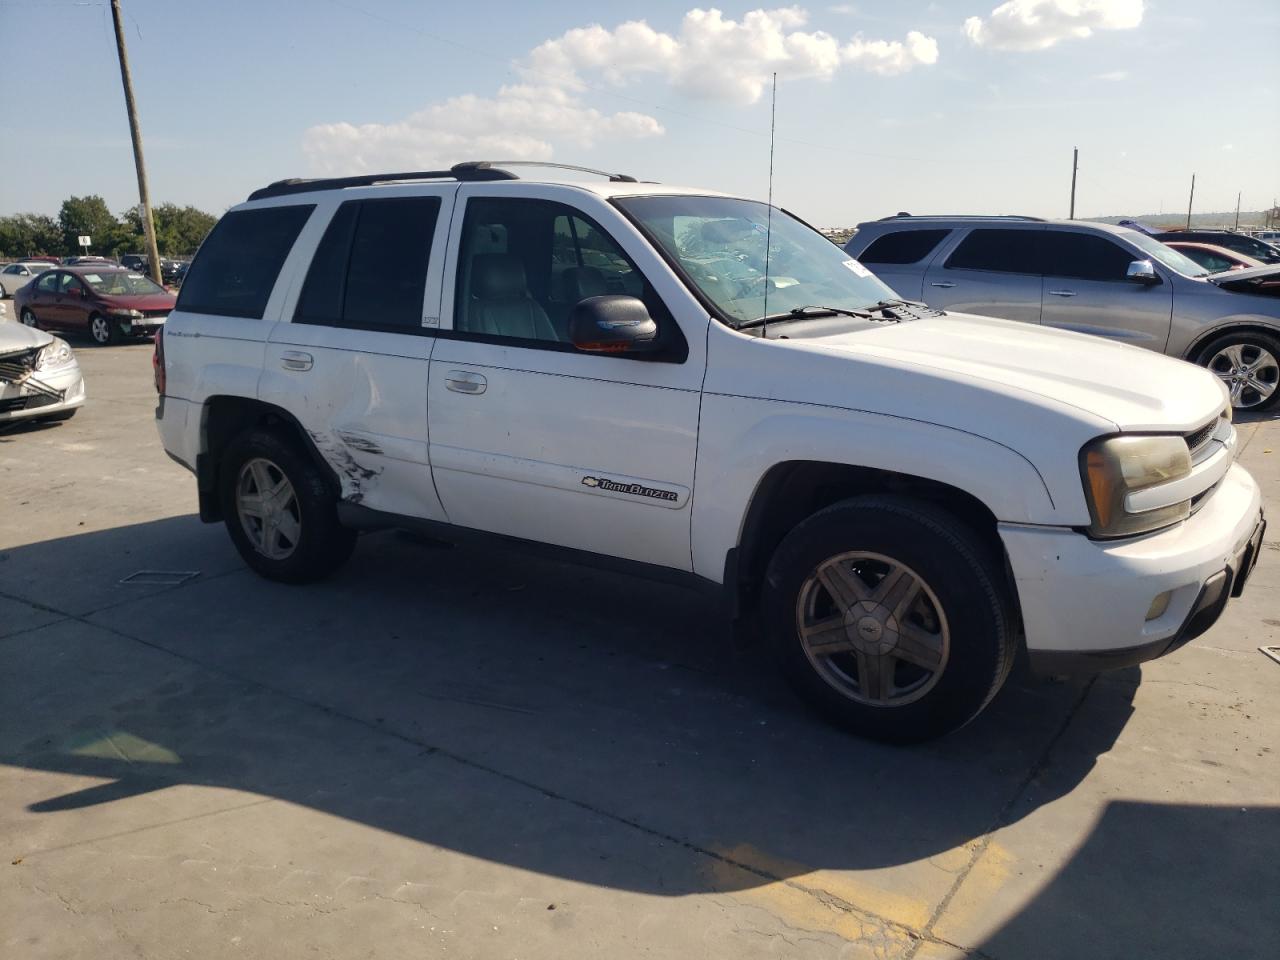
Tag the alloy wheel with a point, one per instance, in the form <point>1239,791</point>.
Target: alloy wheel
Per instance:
<point>873,629</point>
<point>268,509</point>
<point>100,329</point>
<point>1250,372</point>
<point>28,318</point>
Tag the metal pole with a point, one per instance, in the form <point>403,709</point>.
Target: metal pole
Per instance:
<point>1237,226</point>
<point>144,197</point>
<point>1075,164</point>
<point>1189,199</point>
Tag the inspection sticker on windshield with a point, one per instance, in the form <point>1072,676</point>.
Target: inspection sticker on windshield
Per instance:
<point>857,268</point>
<point>93,278</point>
<point>135,276</point>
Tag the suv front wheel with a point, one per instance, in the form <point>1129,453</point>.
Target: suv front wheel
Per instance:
<point>1248,362</point>
<point>279,510</point>
<point>890,617</point>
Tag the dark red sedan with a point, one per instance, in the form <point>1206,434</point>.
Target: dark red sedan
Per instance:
<point>109,303</point>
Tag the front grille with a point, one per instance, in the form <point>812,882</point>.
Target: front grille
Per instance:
<point>1200,436</point>
<point>15,366</point>
<point>12,404</point>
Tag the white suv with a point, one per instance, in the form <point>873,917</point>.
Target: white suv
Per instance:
<point>694,385</point>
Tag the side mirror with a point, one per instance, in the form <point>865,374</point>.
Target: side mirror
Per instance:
<point>612,324</point>
<point>1141,271</point>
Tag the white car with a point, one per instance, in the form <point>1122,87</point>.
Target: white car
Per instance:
<point>39,376</point>
<point>697,387</point>
<point>15,276</point>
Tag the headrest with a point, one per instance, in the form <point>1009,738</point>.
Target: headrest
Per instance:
<point>583,282</point>
<point>497,276</point>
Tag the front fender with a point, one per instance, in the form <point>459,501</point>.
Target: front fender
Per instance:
<point>741,439</point>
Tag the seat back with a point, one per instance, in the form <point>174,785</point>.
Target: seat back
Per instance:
<point>500,302</point>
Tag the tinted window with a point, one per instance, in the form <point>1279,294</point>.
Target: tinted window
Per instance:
<point>903,246</point>
<point>370,270</point>
<point>239,261</point>
<point>1084,257</point>
<point>525,263</point>
<point>1004,251</point>
<point>48,283</point>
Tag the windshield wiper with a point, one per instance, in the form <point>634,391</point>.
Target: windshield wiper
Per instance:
<point>804,313</point>
<point>913,308</point>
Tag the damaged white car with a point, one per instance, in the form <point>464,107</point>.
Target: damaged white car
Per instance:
<point>39,376</point>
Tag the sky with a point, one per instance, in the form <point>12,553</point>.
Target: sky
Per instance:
<point>959,106</point>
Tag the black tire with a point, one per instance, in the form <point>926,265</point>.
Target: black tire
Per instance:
<point>961,571</point>
<point>111,330</point>
<point>1253,345</point>
<point>323,544</point>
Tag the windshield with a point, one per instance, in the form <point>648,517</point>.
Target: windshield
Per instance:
<point>1170,257</point>
<point>720,244</point>
<point>121,284</point>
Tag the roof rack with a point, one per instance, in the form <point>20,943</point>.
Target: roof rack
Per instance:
<point>470,170</point>
<point>903,215</point>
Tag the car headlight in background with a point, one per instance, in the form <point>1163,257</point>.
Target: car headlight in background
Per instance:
<point>1113,467</point>
<point>54,355</point>
<point>126,314</point>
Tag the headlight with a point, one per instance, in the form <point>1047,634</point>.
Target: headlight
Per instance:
<point>54,355</point>
<point>126,314</point>
<point>1113,467</point>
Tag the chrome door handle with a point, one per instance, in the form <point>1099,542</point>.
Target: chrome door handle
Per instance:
<point>1062,293</point>
<point>460,381</point>
<point>296,360</point>
<point>946,284</point>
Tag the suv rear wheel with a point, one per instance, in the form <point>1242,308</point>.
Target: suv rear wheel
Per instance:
<point>279,511</point>
<point>890,618</point>
<point>1249,364</point>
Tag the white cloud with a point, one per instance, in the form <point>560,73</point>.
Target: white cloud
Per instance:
<point>710,57</point>
<point>714,57</point>
<point>519,123</point>
<point>1040,24</point>
<point>1114,76</point>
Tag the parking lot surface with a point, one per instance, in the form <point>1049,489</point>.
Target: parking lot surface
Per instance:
<point>456,752</point>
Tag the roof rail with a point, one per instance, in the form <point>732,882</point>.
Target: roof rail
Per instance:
<point>460,171</point>
<point>470,170</point>
<point>903,215</point>
<point>479,165</point>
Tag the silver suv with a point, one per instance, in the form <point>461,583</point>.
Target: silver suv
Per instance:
<point>1093,278</point>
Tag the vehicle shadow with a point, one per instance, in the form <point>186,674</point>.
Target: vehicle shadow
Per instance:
<point>1157,880</point>
<point>514,709</point>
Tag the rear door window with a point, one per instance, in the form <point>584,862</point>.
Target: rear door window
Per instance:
<point>238,263</point>
<point>1081,256</point>
<point>999,251</point>
<point>903,246</point>
<point>370,269</point>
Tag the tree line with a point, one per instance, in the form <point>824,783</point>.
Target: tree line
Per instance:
<point>179,230</point>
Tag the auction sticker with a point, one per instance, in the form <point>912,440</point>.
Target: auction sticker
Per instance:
<point>857,268</point>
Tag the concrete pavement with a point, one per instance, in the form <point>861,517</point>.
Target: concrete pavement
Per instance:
<point>448,751</point>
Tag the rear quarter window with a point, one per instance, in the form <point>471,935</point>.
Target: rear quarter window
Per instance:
<point>903,246</point>
<point>237,266</point>
<point>997,250</point>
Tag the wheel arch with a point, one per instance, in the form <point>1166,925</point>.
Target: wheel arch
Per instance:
<point>224,417</point>
<point>1248,324</point>
<point>793,490</point>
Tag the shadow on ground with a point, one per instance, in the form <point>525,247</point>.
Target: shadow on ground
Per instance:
<point>448,694</point>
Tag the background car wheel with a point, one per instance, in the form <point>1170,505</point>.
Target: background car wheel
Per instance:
<point>890,617</point>
<point>103,330</point>
<point>29,319</point>
<point>1249,364</point>
<point>279,510</point>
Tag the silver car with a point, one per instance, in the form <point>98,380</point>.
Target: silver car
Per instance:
<point>15,276</point>
<point>1090,277</point>
<point>39,377</point>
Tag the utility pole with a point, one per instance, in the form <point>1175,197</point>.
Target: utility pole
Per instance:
<point>1237,226</point>
<point>1075,164</point>
<point>144,197</point>
<point>1191,198</point>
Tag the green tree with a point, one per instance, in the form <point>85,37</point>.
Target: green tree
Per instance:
<point>29,234</point>
<point>179,230</point>
<point>86,216</point>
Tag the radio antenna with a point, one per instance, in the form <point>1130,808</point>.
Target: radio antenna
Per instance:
<point>768,230</point>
